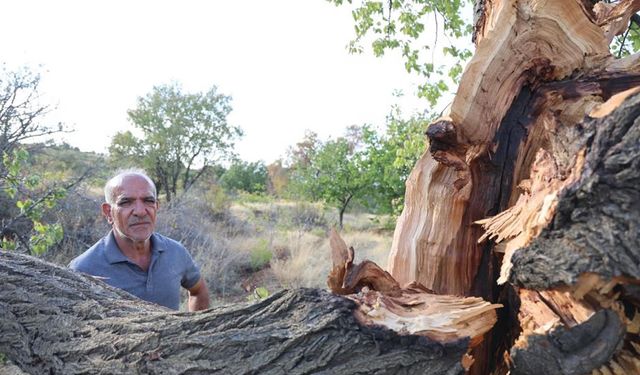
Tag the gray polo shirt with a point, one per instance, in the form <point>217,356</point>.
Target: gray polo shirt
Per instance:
<point>171,267</point>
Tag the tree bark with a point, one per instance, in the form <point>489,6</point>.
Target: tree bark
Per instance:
<point>56,321</point>
<point>528,194</point>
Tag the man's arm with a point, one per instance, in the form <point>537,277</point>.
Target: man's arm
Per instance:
<point>198,296</point>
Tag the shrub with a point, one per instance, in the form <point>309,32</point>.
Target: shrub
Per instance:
<point>216,201</point>
<point>307,216</point>
<point>261,255</point>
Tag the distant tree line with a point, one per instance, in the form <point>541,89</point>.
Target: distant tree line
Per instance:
<point>181,138</point>
<point>364,166</point>
<point>183,135</point>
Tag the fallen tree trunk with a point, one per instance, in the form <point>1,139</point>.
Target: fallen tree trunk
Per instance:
<point>56,321</point>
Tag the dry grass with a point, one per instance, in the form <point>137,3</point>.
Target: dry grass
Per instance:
<point>310,259</point>
<point>306,263</point>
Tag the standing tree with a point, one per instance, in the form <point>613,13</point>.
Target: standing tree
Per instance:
<point>331,171</point>
<point>250,177</point>
<point>388,159</point>
<point>24,196</point>
<point>277,178</point>
<point>181,132</point>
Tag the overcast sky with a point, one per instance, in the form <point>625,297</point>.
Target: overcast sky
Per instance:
<point>284,63</point>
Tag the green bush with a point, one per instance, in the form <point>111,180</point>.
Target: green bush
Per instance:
<point>216,200</point>
<point>244,197</point>
<point>261,255</point>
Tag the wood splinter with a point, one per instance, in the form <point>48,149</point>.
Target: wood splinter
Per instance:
<point>412,309</point>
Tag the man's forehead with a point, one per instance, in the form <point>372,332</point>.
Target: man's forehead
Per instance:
<point>133,185</point>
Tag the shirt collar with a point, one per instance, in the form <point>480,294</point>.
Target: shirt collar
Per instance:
<point>114,255</point>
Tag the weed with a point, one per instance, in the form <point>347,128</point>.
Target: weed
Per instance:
<point>259,294</point>
<point>261,255</point>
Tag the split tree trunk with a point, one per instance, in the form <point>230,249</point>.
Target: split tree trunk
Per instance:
<point>531,182</point>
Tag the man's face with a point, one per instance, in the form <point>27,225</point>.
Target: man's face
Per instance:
<point>133,216</point>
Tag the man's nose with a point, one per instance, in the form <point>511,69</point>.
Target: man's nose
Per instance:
<point>139,208</point>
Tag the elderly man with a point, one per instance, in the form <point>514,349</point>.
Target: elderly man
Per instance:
<point>134,258</point>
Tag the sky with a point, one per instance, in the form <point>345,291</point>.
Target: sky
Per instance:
<point>284,63</point>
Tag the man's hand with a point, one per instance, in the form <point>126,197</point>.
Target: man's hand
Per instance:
<point>198,296</point>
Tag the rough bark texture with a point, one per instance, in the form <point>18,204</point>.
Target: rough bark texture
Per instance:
<point>573,351</point>
<point>55,321</point>
<point>597,223</point>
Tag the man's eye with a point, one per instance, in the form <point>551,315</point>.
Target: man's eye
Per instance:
<point>150,201</point>
<point>124,203</point>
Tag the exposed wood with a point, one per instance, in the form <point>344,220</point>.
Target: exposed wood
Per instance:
<point>412,309</point>
<point>534,151</point>
<point>419,312</point>
<point>535,171</point>
<point>523,43</point>
<point>55,321</point>
<point>614,18</point>
<point>596,227</point>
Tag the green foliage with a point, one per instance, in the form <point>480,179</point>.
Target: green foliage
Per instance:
<point>25,196</point>
<point>366,166</point>
<point>32,199</point>
<point>261,254</point>
<point>389,158</point>
<point>330,171</point>
<point>301,157</point>
<point>259,294</point>
<point>64,162</point>
<point>244,198</point>
<point>627,43</point>
<point>216,200</point>
<point>125,150</point>
<point>180,131</point>
<point>278,179</point>
<point>403,25</point>
<point>250,177</point>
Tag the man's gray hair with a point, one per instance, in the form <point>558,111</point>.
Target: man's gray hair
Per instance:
<point>116,181</point>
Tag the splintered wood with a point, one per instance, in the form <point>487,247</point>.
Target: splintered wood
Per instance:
<point>412,309</point>
<point>522,43</point>
<point>533,211</point>
<point>595,333</point>
<point>614,18</point>
<point>516,151</point>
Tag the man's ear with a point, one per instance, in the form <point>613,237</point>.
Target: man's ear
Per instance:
<point>106,211</point>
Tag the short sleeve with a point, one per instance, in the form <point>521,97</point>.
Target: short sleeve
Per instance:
<point>191,274</point>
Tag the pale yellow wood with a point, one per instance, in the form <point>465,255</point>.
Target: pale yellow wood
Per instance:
<point>521,42</point>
